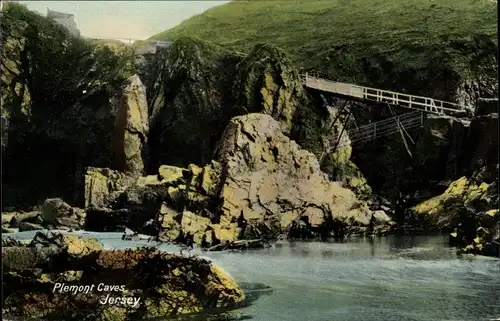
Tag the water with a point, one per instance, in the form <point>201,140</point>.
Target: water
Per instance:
<point>399,279</point>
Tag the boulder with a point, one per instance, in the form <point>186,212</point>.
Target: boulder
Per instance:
<point>131,128</point>
<point>443,211</point>
<point>269,178</point>
<point>103,185</point>
<point>166,284</point>
<point>55,208</point>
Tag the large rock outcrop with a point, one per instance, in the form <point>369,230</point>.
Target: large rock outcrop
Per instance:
<point>166,284</point>
<point>481,145</point>
<point>131,128</point>
<point>259,184</point>
<point>269,178</point>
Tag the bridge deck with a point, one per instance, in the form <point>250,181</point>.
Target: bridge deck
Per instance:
<point>426,104</point>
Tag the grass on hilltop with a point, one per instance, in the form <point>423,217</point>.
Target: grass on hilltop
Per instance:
<point>334,36</point>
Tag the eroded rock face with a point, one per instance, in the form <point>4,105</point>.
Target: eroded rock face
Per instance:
<point>269,178</point>
<point>335,158</point>
<point>167,284</point>
<point>103,185</point>
<point>131,128</point>
<point>204,86</point>
<point>268,83</point>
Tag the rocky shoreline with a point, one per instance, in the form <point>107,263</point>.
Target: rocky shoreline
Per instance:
<point>66,277</point>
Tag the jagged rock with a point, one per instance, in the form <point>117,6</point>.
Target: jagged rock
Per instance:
<point>187,125</point>
<point>170,174</point>
<point>267,177</point>
<point>167,284</point>
<point>102,185</point>
<point>259,183</point>
<point>204,86</point>
<point>131,128</point>
<point>337,163</point>
<point>443,211</point>
<point>54,208</point>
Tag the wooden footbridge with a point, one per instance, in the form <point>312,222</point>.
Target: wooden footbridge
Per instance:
<point>424,104</point>
<point>398,124</point>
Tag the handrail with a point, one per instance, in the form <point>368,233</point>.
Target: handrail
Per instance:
<point>429,104</point>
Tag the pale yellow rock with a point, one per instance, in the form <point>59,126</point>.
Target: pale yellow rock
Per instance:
<point>148,180</point>
<point>170,174</point>
<point>77,246</point>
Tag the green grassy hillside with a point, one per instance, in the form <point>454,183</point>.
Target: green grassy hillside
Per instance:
<point>351,39</point>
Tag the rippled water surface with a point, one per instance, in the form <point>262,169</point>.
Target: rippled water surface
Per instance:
<point>399,279</point>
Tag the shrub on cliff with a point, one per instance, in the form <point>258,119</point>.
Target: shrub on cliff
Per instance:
<point>56,97</point>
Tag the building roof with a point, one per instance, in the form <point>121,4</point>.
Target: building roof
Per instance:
<point>58,15</point>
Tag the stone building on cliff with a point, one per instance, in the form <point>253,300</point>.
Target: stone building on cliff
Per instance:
<point>66,20</point>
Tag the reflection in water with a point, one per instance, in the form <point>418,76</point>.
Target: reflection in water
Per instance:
<point>372,246</point>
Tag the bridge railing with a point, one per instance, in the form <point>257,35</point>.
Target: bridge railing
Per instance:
<point>409,101</point>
